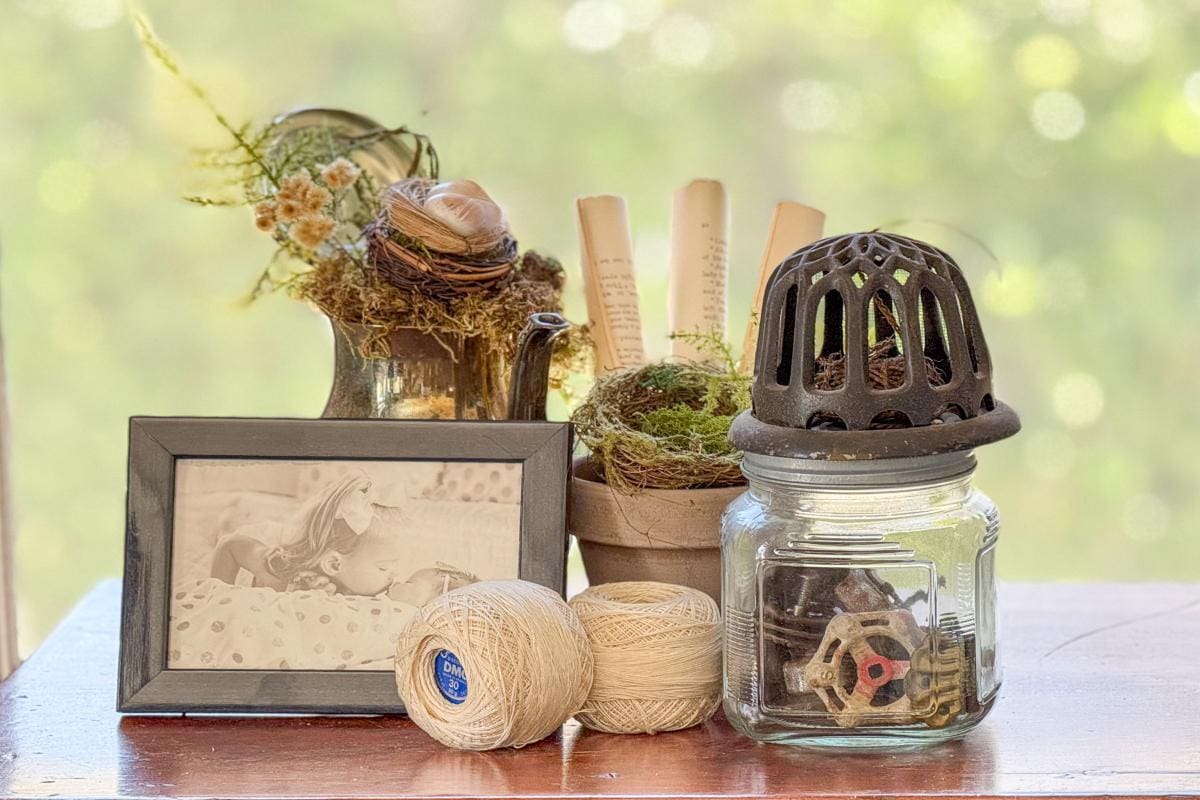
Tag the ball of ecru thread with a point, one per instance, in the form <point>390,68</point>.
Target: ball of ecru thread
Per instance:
<point>656,650</point>
<point>525,655</point>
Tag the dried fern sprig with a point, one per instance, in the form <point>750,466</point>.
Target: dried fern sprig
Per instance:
<point>158,51</point>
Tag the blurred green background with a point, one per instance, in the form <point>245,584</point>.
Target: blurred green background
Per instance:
<point>1064,134</point>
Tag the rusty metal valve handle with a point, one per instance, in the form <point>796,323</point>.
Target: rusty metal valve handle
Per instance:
<point>851,634</point>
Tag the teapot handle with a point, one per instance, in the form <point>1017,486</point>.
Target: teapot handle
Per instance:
<point>531,372</point>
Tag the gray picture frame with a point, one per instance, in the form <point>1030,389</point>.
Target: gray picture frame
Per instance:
<point>145,685</point>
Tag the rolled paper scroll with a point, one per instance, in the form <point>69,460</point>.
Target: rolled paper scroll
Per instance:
<point>606,249</point>
<point>699,261</point>
<point>793,226</point>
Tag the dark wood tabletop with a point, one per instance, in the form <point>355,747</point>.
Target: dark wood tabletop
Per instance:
<point>1101,698</point>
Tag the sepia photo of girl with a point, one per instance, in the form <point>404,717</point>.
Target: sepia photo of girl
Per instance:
<point>317,565</point>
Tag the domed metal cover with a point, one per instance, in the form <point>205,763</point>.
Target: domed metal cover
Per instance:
<point>870,347</point>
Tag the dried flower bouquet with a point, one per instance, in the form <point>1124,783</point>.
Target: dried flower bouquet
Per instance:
<point>366,233</point>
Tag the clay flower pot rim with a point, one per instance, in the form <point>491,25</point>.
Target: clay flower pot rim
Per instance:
<point>666,535</point>
<point>582,470</point>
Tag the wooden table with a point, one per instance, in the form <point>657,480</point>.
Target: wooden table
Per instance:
<point>1102,697</point>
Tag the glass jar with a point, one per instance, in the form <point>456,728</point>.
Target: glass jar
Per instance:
<point>859,601</point>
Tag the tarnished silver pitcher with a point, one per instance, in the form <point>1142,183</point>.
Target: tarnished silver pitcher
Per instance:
<point>446,377</point>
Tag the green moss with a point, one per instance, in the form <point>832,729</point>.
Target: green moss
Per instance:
<point>688,427</point>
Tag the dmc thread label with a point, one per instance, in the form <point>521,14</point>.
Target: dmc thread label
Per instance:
<point>450,676</point>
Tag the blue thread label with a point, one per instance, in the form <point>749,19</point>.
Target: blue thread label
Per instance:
<point>450,676</point>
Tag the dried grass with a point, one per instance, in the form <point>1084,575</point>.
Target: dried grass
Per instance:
<point>349,293</point>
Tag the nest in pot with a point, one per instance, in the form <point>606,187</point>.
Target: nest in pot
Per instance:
<point>664,426</point>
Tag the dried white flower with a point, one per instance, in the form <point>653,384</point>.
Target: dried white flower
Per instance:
<point>264,216</point>
<point>311,230</point>
<point>340,174</point>
<point>292,196</point>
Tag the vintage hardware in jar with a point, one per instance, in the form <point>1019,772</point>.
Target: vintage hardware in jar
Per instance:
<point>858,584</point>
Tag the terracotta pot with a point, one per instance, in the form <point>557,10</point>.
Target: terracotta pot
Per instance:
<point>668,535</point>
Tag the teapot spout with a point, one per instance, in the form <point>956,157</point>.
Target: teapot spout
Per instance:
<point>531,372</point>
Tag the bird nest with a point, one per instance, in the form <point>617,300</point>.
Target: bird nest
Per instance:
<point>415,251</point>
<point>886,370</point>
<point>664,426</point>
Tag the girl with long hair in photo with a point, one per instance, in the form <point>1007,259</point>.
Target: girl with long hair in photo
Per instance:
<point>342,545</point>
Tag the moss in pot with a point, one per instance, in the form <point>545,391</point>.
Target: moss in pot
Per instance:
<point>646,502</point>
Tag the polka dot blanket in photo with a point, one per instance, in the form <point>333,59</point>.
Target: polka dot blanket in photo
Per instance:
<point>216,625</point>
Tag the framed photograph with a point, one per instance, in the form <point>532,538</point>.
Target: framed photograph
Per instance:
<point>270,564</point>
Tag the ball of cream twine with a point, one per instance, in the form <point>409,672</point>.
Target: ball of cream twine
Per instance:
<point>524,654</point>
<point>657,654</point>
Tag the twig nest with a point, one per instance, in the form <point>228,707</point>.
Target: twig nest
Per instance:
<point>664,425</point>
<point>656,649</point>
<point>493,664</point>
<point>440,239</point>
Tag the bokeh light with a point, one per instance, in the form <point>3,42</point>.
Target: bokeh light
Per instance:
<point>1125,27</point>
<point>1065,12</point>
<point>1057,115</point>
<point>1181,126</point>
<point>1078,399</point>
<point>948,42</point>
<point>93,13</point>
<point>1047,61</point>
<point>808,105</point>
<point>1191,91</point>
<point>594,25</point>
